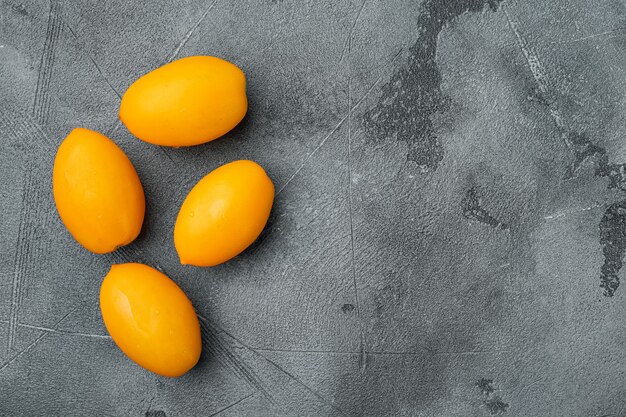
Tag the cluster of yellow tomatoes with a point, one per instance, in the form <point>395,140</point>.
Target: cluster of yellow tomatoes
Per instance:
<point>100,200</point>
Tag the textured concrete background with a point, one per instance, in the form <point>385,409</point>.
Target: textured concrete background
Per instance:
<point>447,237</point>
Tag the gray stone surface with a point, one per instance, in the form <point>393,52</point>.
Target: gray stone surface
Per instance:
<point>448,233</point>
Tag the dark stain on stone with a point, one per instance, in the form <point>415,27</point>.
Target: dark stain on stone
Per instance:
<point>613,241</point>
<point>613,223</point>
<point>20,8</point>
<point>493,402</point>
<point>472,210</point>
<point>413,94</point>
<point>582,149</point>
<point>485,386</point>
<point>616,173</point>
<point>495,405</point>
<point>155,413</point>
<point>347,308</point>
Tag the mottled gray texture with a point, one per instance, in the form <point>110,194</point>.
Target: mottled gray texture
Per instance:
<point>449,229</point>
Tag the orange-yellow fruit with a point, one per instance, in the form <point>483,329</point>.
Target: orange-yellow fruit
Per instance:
<point>187,102</point>
<point>223,214</point>
<point>151,319</point>
<point>97,191</point>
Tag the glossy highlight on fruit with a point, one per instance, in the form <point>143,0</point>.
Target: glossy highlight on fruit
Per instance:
<point>187,102</point>
<point>97,191</point>
<point>150,319</point>
<point>223,214</point>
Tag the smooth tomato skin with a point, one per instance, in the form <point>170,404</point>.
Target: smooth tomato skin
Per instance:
<point>187,102</point>
<point>223,214</point>
<point>97,191</point>
<point>150,319</point>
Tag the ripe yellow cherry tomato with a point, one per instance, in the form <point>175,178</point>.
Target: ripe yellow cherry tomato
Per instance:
<point>223,214</point>
<point>150,319</point>
<point>187,102</point>
<point>97,191</point>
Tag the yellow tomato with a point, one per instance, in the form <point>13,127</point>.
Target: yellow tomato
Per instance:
<point>151,319</point>
<point>223,214</point>
<point>97,191</point>
<point>187,102</point>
